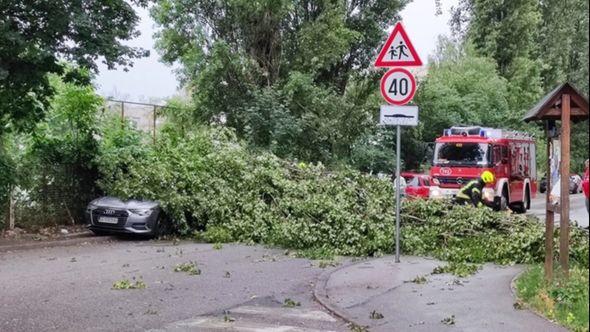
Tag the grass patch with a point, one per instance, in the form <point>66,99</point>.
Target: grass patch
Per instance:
<point>565,301</point>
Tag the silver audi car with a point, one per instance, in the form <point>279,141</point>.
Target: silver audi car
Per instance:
<point>111,215</point>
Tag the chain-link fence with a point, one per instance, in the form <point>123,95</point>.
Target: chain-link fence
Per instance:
<point>143,116</point>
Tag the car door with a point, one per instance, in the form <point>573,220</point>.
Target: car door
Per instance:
<point>424,187</point>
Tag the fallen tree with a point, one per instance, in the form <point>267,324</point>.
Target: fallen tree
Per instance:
<point>210,184</point>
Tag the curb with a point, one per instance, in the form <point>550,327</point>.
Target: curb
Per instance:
<point>73,239</point>
<point>320,294</point>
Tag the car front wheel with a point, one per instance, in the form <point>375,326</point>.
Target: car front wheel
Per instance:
<point>162,227</point>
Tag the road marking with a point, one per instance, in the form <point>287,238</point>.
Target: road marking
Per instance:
<point>212,323</point>
<point>293,313</point>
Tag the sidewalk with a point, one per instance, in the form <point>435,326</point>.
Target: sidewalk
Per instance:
<point>481,302</point>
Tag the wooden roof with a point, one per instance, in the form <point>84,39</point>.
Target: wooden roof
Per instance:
<point>549,107</point>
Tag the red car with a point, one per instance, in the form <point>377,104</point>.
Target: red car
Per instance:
<point>408,176</point>
<point>418,186</point>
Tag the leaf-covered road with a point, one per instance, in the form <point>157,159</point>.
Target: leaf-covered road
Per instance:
<point>71,288</point>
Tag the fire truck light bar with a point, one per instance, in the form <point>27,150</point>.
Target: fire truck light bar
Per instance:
<point>486,132</point>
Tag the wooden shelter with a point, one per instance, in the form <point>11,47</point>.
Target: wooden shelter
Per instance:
<point>565,104</point>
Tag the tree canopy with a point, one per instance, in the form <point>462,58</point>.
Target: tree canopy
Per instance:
<point>291,76</point>
<point>37,37</point>
<point>536,45</point>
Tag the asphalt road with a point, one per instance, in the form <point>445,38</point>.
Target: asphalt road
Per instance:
<point>240,288</point>
<point>578,210</point>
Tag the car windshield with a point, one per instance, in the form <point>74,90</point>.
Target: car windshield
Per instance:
<point>461,154</point>
<point>414,182</point>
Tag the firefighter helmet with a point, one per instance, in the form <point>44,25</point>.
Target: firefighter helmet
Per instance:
<point>487,177</point>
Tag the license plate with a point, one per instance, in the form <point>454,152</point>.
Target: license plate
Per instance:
<point>108,220</point>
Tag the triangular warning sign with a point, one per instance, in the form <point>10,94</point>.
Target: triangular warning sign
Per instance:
<point>398,50</point>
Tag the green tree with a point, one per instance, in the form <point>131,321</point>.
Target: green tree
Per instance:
<point>53,165</point>
<point>289,76</point>
<point>503,30</point>
<point>537,45</point>
<point>462,88</point>
<point>564,36</point>
<point>506,31</point>
<point>178,114</point>
<point>36,36</point>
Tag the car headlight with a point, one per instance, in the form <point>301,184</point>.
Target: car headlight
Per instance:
<point>435,193</point>
<point>141,212</point>
<point>488,194</point>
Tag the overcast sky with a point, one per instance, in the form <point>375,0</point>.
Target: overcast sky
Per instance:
<point>149,78</point>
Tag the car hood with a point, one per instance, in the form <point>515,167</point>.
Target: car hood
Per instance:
<point>114,202</point>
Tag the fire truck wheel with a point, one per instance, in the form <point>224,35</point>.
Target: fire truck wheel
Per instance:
<point>518,207</point>
<point>504,199</point>
<point>521,207</point>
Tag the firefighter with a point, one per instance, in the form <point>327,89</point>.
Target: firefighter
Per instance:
<point>471,192</point>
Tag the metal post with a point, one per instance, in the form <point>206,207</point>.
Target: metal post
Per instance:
<point>397,191</point>
<point>122,112</point>
<point>154,124</point>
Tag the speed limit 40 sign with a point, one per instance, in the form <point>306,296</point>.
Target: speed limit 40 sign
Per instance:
<point>398,86</point>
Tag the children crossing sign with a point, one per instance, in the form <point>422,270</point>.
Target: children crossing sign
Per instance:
<point>398,50</point>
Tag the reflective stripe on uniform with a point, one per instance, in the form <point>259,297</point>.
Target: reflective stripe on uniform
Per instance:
<point>467,187</point>
<point>462,195</point>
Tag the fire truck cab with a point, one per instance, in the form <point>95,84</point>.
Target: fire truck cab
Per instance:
<point>463,153</point>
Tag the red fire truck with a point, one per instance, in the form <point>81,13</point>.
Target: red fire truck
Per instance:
<point>463,153</point>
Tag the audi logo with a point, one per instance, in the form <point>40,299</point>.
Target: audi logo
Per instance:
<point>109,211</point>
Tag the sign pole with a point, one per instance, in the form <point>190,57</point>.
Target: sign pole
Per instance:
<point>397,191</point>
<point>398,86</point>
